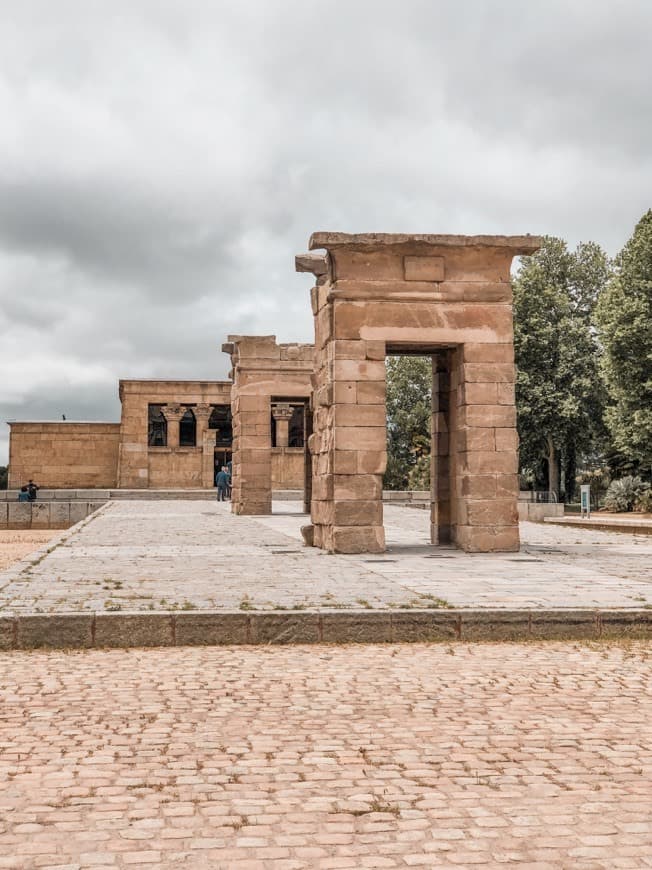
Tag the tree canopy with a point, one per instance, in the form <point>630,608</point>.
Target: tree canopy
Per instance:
<point>623,317</point>
<point>559,396</point>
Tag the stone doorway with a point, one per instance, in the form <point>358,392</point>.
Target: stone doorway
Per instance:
<point>442,421</point>
<point>451,294</point>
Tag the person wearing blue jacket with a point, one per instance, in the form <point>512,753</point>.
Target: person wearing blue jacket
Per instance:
<point>222,484</point>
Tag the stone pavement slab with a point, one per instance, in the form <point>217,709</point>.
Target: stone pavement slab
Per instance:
<point>296,758</point>
<point>193,555</point>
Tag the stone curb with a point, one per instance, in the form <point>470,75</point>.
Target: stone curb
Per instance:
<point>214,628</point>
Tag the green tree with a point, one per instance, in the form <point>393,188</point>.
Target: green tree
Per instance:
<point>409,391</point>
<point>623,317</point>
<point>4,474</point>
<point>559,396</point>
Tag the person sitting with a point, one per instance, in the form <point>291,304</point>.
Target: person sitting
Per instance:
<point>32,489</point>
<point>222,483</point>
<point>23,495</point>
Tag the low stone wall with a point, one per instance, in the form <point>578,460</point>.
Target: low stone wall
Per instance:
<point>45,514</point>
<point>536,513</point>
<point>86,630</point>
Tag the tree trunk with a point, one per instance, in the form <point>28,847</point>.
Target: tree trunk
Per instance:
<point>553,468</point>
<point>569,473</point>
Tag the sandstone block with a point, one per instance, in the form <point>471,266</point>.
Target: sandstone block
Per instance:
<point>354,487</point>
<point>358,513</point>
<point>308,535</point>
<point>358,539</point>
<point>476,439</point>
<point>370,392</point>
<point>345,461</point>
<point>492,512</point>
<point>497,416</point>
<point>358,370</point>
<point>478,394</point>
<point>345,392</point>
<point>347,350</point>
<point>375,350</point>
<point>486,462</point>
<point>504,373</point>
<point>506,439</point>
<point>487,539</point>
<point>424,268</point>
<point>371,461</point>
<point>505,394</point>
<point>480,486</point>
<point>4,513</point>
<point>564,625</point>
<point>361,438</point>
<point>359,415</point>
<point>507,485</point>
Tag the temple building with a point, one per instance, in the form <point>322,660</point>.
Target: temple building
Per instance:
<point>171,434</point>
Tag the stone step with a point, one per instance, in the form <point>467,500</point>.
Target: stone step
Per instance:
<point>84,630</point>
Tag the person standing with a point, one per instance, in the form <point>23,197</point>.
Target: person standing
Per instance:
<point>222,483</point>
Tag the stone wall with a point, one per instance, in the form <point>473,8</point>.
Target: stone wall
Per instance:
<point>64,454</point>
<point>45,514</point>
<point>143,467</point>
<point>261,371</point>
<point>287,467</point>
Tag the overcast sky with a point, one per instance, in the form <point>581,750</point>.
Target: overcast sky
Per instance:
<point>161,162</point>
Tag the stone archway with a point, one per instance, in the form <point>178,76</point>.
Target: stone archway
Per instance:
<point>450,297</point>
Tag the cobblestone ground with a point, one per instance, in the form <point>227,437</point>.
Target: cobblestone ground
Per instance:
<point>187,555</point>
<point>327,757</point>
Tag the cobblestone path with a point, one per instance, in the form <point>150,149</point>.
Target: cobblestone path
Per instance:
<point>327,757</point>
<point>190,555</point>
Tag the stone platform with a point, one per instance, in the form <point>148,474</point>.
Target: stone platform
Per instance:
<point>170,572</point>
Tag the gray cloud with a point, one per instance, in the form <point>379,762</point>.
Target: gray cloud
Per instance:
<point>161,162</point>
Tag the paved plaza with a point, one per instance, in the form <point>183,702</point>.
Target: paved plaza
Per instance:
<point>294,758</point>
<point>194,555</point>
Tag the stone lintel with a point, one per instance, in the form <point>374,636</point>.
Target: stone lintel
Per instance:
<point>317,264</point>
<point>525,245</point>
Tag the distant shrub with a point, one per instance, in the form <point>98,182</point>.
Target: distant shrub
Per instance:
<point>624,494</point>
<point>644,501</point>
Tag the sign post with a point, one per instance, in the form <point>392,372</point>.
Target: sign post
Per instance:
<point>585,500</point>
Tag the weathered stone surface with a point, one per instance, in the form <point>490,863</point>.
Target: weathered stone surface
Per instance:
<point>59,631</point>
<point>364,626</point>
<point>211,629</point>
<point>134,629</point>
<point>625,624</point>
<point>495,626</point>
<point>7,628</point>
<point>19,514</point>
<point>282,628</point>
<point>564,625</point>
<point>424,268</point>
<point>424,626</point>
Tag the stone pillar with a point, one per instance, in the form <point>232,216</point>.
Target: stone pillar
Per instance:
<point>282,414</point>
<point>307,461</point>
<point>440,507</point>
<point>173,414</point>
<point>487,441</point>
<point>205,440</point>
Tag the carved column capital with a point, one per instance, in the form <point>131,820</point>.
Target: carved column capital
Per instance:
<point>202,411</point>
<point>172,413</point>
